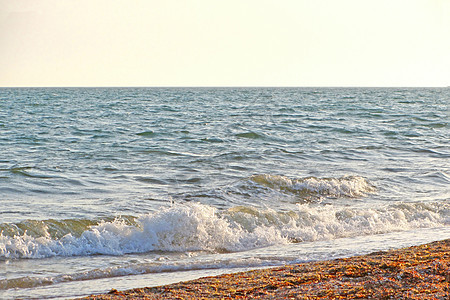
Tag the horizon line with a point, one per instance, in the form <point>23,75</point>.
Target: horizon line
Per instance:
<point>219,86</point>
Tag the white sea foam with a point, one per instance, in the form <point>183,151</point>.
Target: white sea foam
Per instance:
<point>194,226</point>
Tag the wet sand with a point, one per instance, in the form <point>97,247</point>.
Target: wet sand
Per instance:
<point>419,272</point>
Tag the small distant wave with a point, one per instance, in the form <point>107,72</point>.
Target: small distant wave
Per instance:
<point>249,135</point>
<point>347,186</point>
<point>148,133</point>
<point>26,172</point>
<point>162,153</point>
<point>198,227</point>
<point>212,140</point>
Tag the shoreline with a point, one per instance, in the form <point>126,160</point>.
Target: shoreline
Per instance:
<point>417,272</point>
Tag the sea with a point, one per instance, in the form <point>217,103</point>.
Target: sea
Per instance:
<point>105,188</point>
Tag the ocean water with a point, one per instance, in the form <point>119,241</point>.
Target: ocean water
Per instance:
<point>106,188</point>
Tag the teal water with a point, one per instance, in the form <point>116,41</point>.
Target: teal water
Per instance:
<point>132,186</point>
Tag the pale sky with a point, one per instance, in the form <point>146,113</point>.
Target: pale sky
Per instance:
<point>224,43</point>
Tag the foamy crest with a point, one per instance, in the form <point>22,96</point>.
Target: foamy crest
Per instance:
<point>324,223</point>
<point>194,226</point>
<point>347,186</point>
<point>186,227</point>
<point>317,222</point>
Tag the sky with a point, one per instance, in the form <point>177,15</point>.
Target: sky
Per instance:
<point>224,43</point>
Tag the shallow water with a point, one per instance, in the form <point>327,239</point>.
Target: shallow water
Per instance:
<point>127,187</point>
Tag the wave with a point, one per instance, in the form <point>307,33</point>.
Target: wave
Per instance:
<point>148,133</point>
<point>347,186</point>
<point>199,227</point>
<point>249,135</point>
<point>26,172</point>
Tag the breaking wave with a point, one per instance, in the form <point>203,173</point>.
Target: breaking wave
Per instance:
<point>199,227</point>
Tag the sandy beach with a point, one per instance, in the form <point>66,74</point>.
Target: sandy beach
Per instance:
<point>418,272</point>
